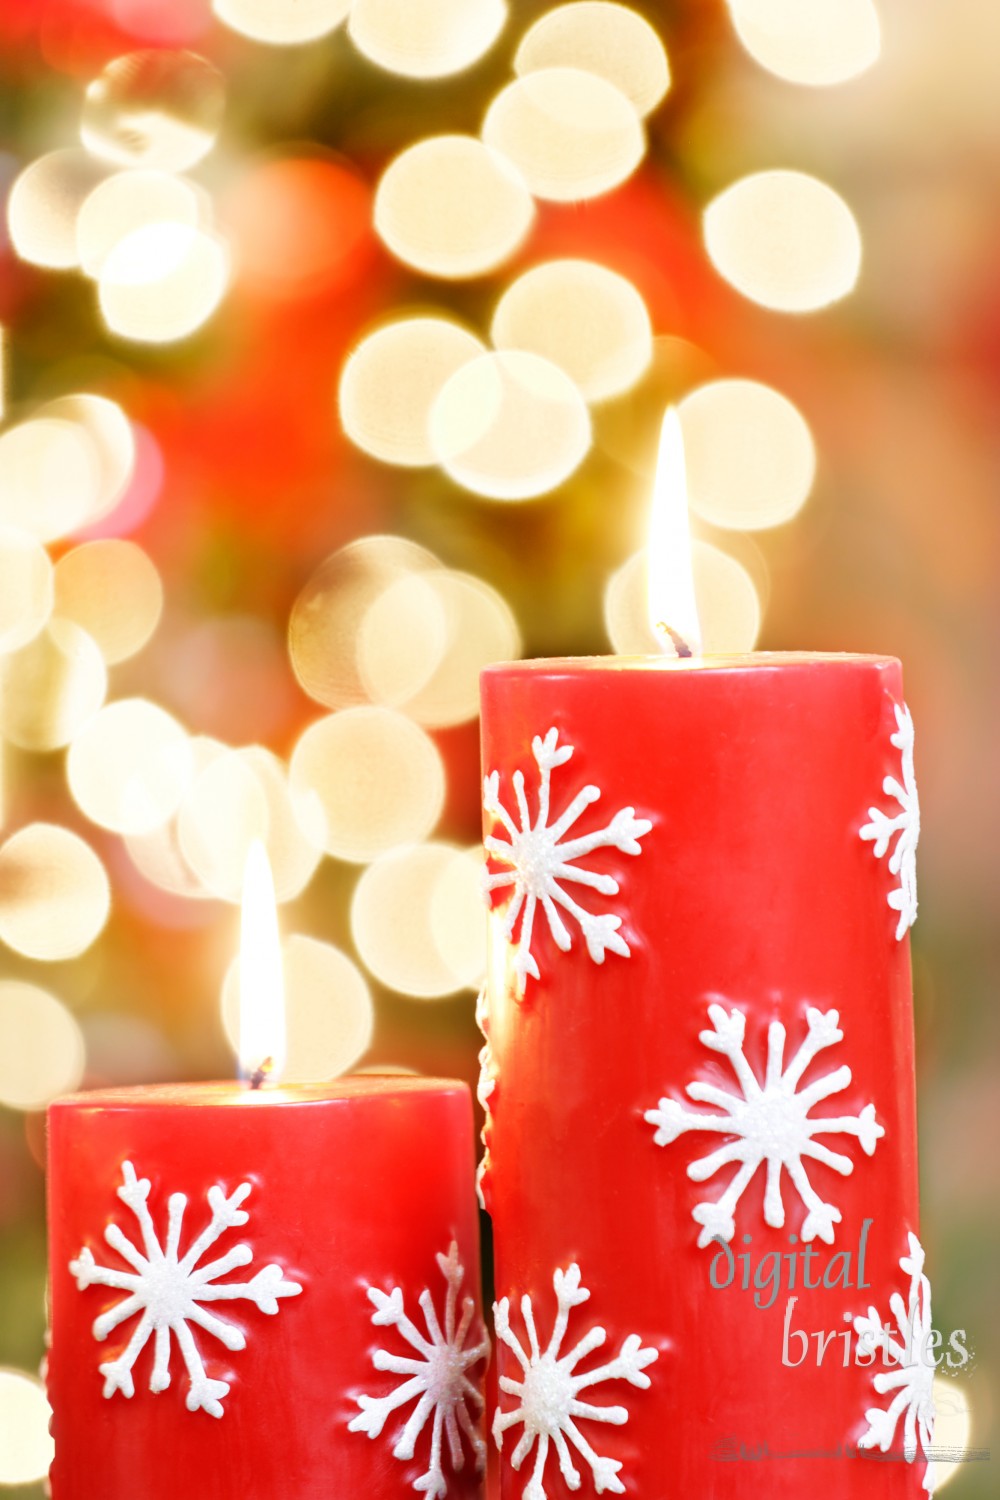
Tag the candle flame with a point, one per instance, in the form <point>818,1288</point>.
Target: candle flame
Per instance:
<point>262,985</point>
<point>673,613</point>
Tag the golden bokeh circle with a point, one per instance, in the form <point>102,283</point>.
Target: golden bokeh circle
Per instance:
<point>815,42</point>
<point>452,207</point>
<point>26,588</point>
<point>281,23</point>
<point>391,922</point>
<point>596,36</point>
<point>402,638</point>
<point>154,108</point>
<point>224,811</point>
<point>585,318</point>
<point>162,282</point>
<point>424,641</point>
<point>157,855</point>
<point>112,589</point>
<point>510,426</point>
<point>50,477</point>
<point>112,446</point>
<point>572,135</point>
<point>234,798</point>
<point>129,768</point>
<point>132,200</point>
<point>54,893</point>
<point>293,857</point>
<point>328,614</point>
<point>749,454</point>
<point>26,1446</point>
<point>785,240</point>
<point>43,204</point>
<point>729,609</point>
<point>41,1047</point>
<point>159,859</point>
<point>365,780</point>
<point>952,1429</point>
<point>52,688</point>
<point>329,1016</point>
<point>432,39</point>
<point>391,380</point>
<point>457,916</point>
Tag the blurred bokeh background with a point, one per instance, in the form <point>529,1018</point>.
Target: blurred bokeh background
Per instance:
<point>335,344</point>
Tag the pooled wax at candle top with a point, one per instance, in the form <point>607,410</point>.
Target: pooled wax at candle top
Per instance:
<point>223,1094</point>
<point>736,662</point>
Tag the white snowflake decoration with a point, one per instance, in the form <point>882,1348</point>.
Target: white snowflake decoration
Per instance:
<point>912,1379</point>
<point>771,1123</point>
<point>168,1290</point>
<point>540,860</point>
<point>437,1380</point>
<point>882,828</point>
<point>548,1396</point>
<point>485,1090</point>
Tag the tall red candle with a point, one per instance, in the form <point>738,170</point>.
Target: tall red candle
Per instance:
<point>265,1295</point>
<point>699,1075</point>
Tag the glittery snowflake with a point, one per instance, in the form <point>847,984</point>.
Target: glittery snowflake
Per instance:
<point>548,1396</point>
<point>541,860</point>
<point>484,1093</point>
<point>770,1121</point>
<point>438,1379</point>
<point>912,1379</point>
<point>168,1290</point>
<point>883,829</point>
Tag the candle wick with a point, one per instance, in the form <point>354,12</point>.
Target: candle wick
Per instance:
<point>259,1076</point>
<point>679,643</point>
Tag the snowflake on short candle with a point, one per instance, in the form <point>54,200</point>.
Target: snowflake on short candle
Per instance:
<point>438,1379</point>
<point>912,1379</point>
<point>168,1290</point>
<point>882,828</point>
<point>548,1396</point>
<point>541,861</point>
<point>771,1123</point>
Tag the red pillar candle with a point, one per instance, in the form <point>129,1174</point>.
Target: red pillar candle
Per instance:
<point>265,1295</point>
<point>699,1076</point>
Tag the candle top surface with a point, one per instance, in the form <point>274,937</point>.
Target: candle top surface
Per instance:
<point>755,661</point>
<point>227,1094</point>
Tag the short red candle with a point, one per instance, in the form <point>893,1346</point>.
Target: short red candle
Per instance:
<point>744,785</point>
<point>356,1187</point>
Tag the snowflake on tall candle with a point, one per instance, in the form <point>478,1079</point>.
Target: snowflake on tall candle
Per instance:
<point>438,1379</point>
<point>541,861</point>
<point>911,1381</point>
<point>771,1123</point>
<point>169,1291</point>
<point>548,1396</point>
<point>904,826</point>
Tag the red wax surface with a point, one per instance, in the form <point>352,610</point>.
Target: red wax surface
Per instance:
<point>753,889</point>
<point>356,1183</point>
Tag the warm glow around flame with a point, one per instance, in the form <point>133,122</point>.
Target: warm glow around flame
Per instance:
<point>673,613</point>
<point>262,987</point>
